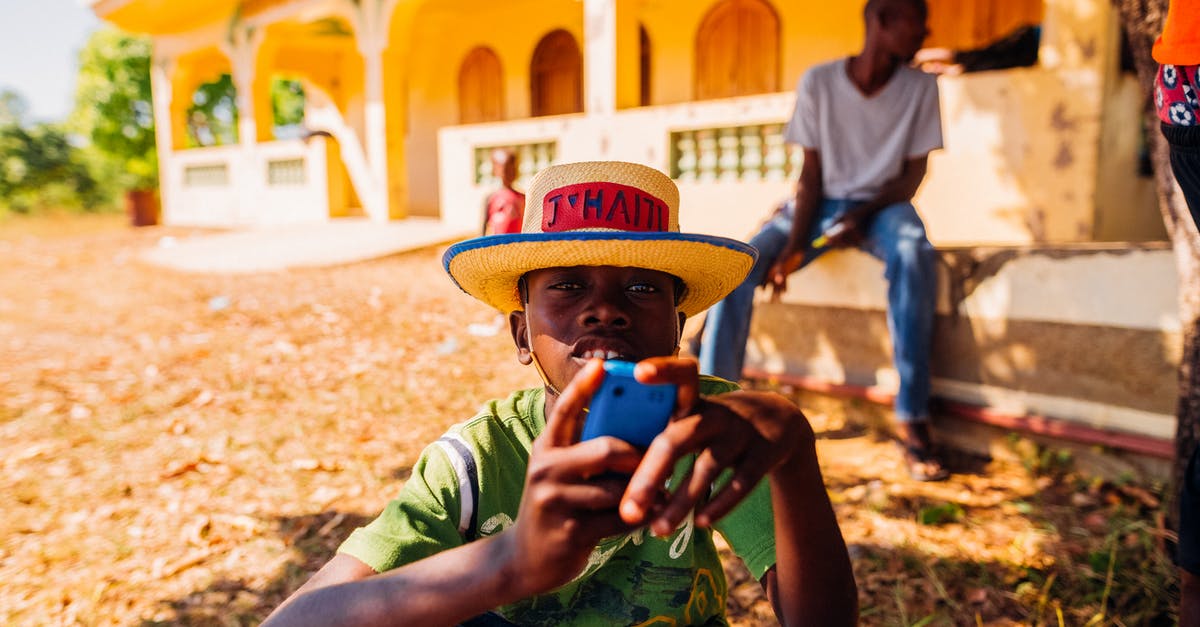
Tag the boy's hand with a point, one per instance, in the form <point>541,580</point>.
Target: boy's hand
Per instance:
<point>750,433</point>
<point>569,503</point>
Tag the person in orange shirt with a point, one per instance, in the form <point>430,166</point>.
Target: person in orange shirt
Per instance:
<point>1175,95</point>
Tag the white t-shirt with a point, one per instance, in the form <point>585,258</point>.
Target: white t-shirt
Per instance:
<point>863,142</point>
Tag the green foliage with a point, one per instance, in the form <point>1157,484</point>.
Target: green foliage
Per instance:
<point>940,514</point>
<point>213,115</point>
<point>287,102</point>
<point>1041,460</point>
<point>41,170</point>
<point>114,108</point>
<point>39,166</point>
<point>12,107</point>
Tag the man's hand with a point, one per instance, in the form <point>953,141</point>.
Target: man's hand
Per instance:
<point>569,503</point>
<point>846,232</point>
<point>777,276</point>
<point>750,433</point>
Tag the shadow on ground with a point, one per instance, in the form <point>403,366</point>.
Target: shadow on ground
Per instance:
<point>312,538</point>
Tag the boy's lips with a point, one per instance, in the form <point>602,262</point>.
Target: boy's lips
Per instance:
<point>600,354</point>
<point>603,348</point>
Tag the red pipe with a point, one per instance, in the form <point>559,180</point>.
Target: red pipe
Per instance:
<point>1030,423</point>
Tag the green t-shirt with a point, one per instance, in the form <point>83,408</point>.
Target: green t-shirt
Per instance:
<point>468,484</point>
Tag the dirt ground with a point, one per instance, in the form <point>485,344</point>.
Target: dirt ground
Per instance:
<point>187,449</point>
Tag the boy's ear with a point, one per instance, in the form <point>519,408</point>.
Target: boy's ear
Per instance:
<point>520,334</point>
<point>679,331</point>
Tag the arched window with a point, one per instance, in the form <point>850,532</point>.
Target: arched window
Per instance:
<point>556,75</point>
<point>644,57</point>
<point>480,87</point>
<point>737,50</point>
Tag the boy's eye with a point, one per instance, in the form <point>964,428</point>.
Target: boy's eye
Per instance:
<point>566,285</point>
<point>643,288</point>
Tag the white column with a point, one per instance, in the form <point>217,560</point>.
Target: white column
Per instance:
<point>372,40</point>
<point>245,177</point>
<point>161,69</point>
<point>600,56</point>
<point>243,57</point>
<point>610,55</point>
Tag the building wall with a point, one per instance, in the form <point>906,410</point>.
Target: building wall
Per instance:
<point>1043,154</point>
<point>1089,334</point>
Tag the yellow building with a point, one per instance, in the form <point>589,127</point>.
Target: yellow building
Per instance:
<point>406,98</point>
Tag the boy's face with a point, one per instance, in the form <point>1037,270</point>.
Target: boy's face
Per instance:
<point>906,29</point>
<point>504,167</point>
<point>577,313</point>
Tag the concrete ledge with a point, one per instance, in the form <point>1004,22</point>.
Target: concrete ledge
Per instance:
<point>271,249</point>
<point>1086,334</point>
<point>984,430</point>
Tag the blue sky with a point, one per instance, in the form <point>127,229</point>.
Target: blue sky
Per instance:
<point>39,43</point>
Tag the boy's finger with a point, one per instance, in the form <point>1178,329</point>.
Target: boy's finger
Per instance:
<point>595,457</point>
<point>565,422</point>
<point>681,437</point>
<point>751,469</point>
<point>691,491</point>
<point>684,373</point>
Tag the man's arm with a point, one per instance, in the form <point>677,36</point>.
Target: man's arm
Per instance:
<point>809,191</point>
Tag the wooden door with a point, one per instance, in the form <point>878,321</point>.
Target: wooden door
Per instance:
<point>967,24</point>
<point>556,76</point>
<point>737,50</point>
<point>480,87</point>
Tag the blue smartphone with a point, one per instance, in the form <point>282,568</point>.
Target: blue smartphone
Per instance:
<point>627,409</point>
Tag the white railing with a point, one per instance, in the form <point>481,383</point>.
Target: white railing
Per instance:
<point>657,136</point>
<point>280,182</point>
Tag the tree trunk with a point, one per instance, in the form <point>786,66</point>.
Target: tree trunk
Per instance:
<point>1142,21</point>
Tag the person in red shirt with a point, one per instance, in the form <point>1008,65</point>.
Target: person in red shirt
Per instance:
<point>504,208</point>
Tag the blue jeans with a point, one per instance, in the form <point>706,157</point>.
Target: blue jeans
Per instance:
<point>895,236</point>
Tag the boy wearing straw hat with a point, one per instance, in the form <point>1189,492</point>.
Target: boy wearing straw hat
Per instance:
<point>510,517</point>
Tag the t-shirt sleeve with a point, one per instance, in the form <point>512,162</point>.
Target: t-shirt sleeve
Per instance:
<point>750,530</point>
<point>927,126</point>
<point>802,128</point>
<point>750,527</point>
<point>421,521</point>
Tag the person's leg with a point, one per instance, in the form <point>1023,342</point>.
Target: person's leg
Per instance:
<point>727,324</point>
<point>722,349</point>
<point>1187,551</point>
<point>896,236</point>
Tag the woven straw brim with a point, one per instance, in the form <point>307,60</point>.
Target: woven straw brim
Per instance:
<point>488,267</point>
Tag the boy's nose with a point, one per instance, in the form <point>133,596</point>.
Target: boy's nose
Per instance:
<point>605,312</point>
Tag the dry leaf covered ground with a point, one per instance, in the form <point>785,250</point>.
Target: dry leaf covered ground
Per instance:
<point>187,449</point>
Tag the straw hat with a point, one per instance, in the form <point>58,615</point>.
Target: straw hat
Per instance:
<point>603,213</point>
